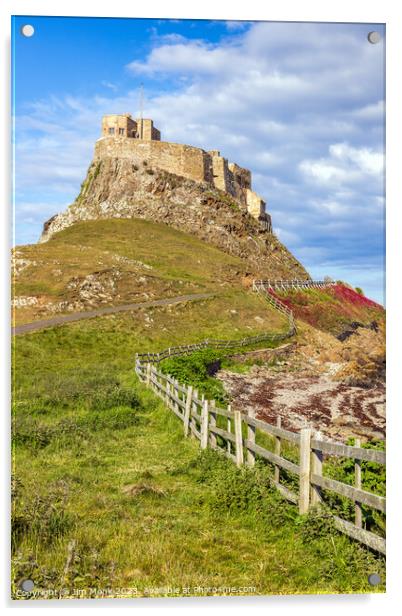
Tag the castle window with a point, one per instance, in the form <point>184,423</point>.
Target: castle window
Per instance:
<point>111,131</point>
<point>121,131</point>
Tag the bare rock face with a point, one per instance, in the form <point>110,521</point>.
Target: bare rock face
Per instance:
<point>117,188</point>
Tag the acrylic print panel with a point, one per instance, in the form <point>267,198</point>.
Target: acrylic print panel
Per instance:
<point>199,351</point>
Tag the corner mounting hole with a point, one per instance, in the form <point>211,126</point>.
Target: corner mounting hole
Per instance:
<point>27,30</point>
<point>374,579</point>
<point>374,37</point>
<point>27,585</point>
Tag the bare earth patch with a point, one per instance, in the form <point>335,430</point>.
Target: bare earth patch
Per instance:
<point>335,409</point>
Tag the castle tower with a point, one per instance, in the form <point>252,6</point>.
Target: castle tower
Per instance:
<point>123,125</point>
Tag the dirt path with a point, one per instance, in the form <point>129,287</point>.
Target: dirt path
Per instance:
<point>77,316</point>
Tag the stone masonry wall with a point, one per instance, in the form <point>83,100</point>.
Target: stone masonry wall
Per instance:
<point>187,161</point>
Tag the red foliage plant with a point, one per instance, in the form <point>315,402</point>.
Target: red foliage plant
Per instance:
<point>349,295</point>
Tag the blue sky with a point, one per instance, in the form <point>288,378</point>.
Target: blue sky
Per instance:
<point>301,105</point>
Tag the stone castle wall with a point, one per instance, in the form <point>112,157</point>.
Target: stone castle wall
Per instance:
<point>189,162</point>
<point>184,160</point>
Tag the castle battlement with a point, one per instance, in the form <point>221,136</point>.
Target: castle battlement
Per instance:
<point>139,140</point>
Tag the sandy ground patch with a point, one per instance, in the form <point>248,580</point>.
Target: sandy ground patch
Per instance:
<point>337,410</point>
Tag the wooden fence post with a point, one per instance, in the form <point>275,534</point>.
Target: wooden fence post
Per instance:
<point>358,484</point>
<point>175,405</point>
<point>153,373</point>
<point>229,429</point>
<point>250,437</point>
<point>239,438</point>
<point>316,469</point>
<point>164,389</point>
<point>194,408</point>
<point>168,393</point>
<point>204,425</point>
<point>187,410</point>
<point>148,377</point>
<point>304,480</point>
<point>277,449</point>
<point>212,422</point>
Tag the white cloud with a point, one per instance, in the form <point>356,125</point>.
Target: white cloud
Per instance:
<point>346,164</point>
<point>301,105</point>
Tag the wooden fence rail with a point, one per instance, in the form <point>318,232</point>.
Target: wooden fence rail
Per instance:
<point>296,284</point>
<point>234,434</point>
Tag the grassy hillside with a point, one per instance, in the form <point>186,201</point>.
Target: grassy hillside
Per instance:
<point>109,494</point>
<point>108,262</point>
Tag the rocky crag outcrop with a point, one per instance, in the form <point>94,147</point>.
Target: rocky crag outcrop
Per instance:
<point>117,188</point>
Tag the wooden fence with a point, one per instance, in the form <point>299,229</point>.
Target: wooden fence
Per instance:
<point>234,433</point>
<point>295,284</point>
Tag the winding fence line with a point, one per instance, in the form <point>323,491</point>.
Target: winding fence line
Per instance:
<point>296,284</point>
<point>236,434</point>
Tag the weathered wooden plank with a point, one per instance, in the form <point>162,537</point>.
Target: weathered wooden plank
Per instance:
<point>304,484</point>
<point>238,438</point>
<point>228,436</point>
<point>225,413</point>
<point>187,409</point>
<point>358,485</point>
<point>364,536</point>
<point>195,432</point>
<point>157,384</point>
<point>148,375</point>
<point>229,429</point>
<point>212,423</point>
<point>271,457</point>
<point>178,401</point>
<point>278,449</point>
<point>316,469</point>
<point>286,493</point>
<point>204,425</point>
<point>270,429</point>
<point>177,412</point>
<point>347,451</point>
<point>250,438</point>
<point>362,496</point>
<point>195,415</point>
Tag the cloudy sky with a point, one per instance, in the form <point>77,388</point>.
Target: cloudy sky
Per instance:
<point>301,105</point>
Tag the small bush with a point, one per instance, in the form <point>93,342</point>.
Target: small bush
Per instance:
<point>318,523</point>
<point>245,490</point>
<point>29,432</point>
<point>43,515</point>
<point>195,369</point>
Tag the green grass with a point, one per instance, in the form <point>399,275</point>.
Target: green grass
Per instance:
<point>109,494</point>
<point>180,262</point>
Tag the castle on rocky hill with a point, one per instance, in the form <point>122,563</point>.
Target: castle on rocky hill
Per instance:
<point>138,141</point>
